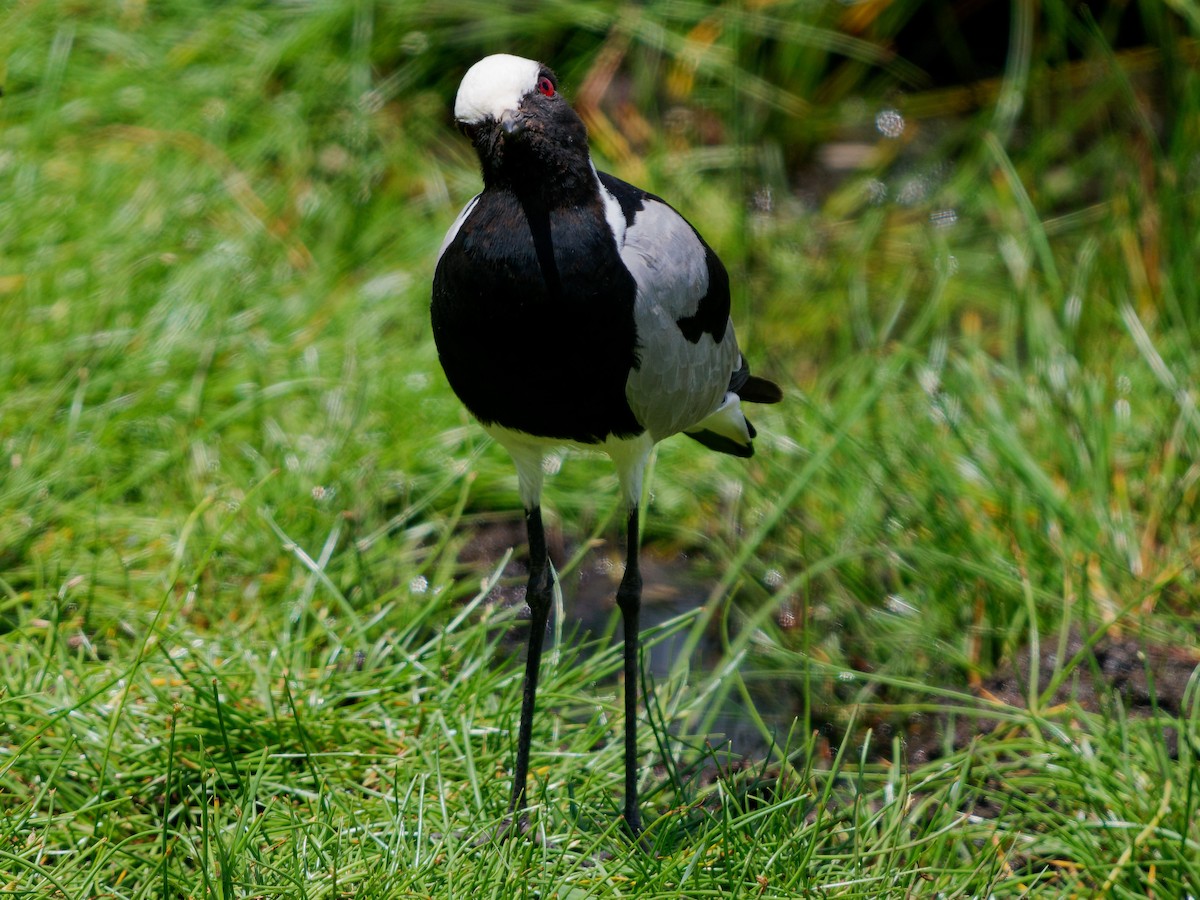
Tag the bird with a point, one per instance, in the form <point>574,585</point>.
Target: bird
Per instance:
<point>570,308</point>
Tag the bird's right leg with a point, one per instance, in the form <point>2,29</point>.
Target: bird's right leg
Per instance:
<point>538,595</point>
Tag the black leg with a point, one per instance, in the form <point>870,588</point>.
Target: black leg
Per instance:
<point>538,595</point>
<point>629,599</point>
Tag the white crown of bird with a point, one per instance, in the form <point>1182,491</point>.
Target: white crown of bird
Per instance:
<point>494,85</point>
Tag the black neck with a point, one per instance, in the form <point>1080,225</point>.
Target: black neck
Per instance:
<point>546,165</point>
<point>566,180</point>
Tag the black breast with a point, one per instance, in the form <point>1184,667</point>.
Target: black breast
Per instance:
<point>533,319</point>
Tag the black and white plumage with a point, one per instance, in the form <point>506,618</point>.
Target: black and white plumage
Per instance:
<point>572,308</point>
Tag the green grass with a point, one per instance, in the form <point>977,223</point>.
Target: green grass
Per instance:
<point>244,649</point>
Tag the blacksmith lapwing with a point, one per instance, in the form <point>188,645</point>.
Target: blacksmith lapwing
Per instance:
<point>571,308</point>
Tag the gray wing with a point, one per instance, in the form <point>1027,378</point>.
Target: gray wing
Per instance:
<point>686,345</point>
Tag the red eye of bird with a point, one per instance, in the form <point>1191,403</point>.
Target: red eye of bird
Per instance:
<point>545,86</point>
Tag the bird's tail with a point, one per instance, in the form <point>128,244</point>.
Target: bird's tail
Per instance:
<point>759,390</point>
<point>751,388</point>
<point>726,429</point>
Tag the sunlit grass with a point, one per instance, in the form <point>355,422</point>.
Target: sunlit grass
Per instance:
<point>242,651</point>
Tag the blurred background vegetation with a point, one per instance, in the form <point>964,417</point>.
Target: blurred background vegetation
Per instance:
<point>963,235</point>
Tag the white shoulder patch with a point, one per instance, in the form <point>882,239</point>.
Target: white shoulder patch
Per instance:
<point>494,85</point>
<point>613,213</point>
<point>453,232</point>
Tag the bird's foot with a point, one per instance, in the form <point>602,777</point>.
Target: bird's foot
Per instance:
<point>637,836</point>
<point>510,828</point>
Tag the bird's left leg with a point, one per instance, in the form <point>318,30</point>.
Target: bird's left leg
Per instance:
<point>629,599</point>
<point>538,594</point>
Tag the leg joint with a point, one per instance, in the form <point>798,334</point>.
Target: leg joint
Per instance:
<point>629,593</point>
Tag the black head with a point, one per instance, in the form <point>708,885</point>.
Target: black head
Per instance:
<point>526,134</point>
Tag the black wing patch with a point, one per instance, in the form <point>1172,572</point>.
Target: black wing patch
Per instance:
<point>712,314</point>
